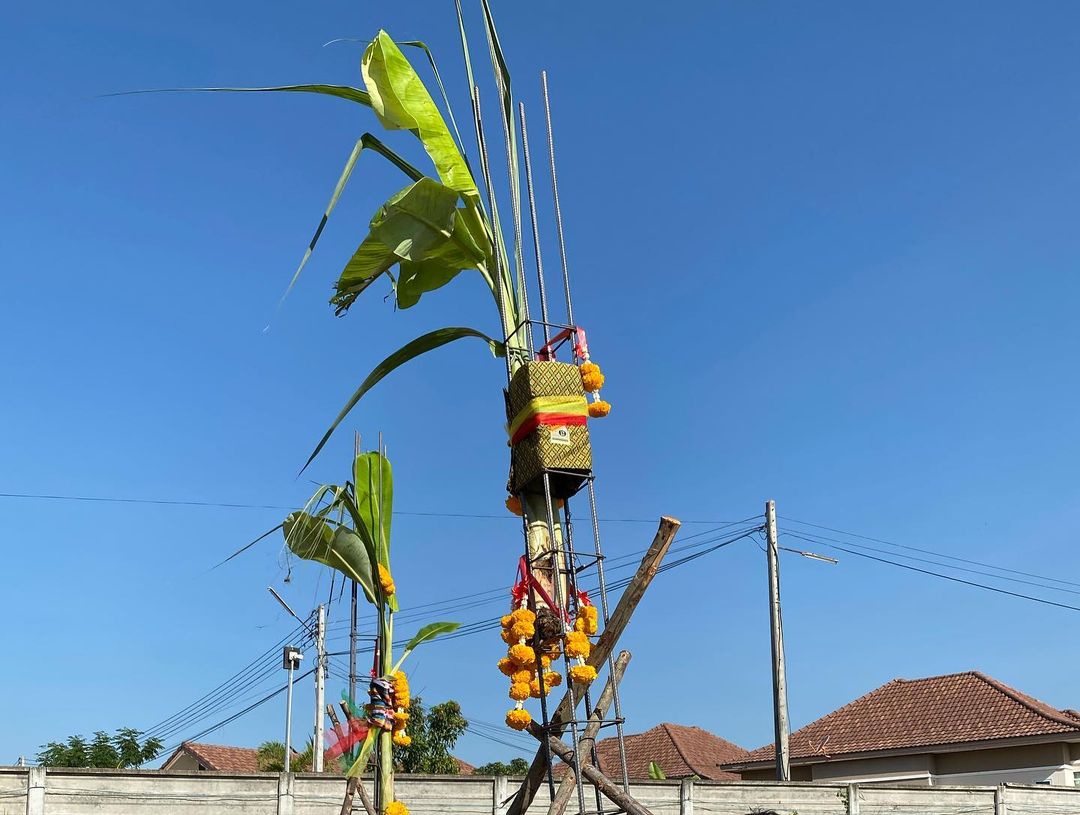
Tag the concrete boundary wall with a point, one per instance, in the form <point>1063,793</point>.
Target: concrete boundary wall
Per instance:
<point>38,791</point>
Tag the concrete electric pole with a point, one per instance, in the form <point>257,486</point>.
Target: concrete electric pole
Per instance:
<point>320,688</point>
<point>291,660</point>
<point>779,674</point>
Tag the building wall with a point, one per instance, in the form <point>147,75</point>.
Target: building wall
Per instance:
<point>35,791</point>
<point>1029,764</point>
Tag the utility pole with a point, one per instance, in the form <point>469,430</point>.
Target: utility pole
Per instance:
<point>320,687</point>
<point>291,660</point>
<point>779,675</point>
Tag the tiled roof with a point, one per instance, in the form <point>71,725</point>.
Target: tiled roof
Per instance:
<point>908,714</point>
<point>680,752</point>
<point>219,757</point>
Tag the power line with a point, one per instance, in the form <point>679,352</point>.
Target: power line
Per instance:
<point>909,567</point>
<point>101,499</point>
<point>931,552</point>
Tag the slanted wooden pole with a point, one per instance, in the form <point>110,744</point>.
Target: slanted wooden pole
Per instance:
<point>612,791</point>
<point>588,737</point>
<point>354,784</point>
<point>631,596</point>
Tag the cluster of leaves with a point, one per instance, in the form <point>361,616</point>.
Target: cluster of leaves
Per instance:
<point>123,749</point>
<point>434,733</point>
<point>516,767</point>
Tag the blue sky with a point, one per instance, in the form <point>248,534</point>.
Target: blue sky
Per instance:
<point>826,254</point>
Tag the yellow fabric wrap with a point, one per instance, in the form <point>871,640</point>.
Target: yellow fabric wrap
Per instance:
<point>557,406</point>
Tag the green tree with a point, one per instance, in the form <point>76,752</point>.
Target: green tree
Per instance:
<point>272,758</point>
<point>517,766</point>
<point>124,749</point>
<point>434,732</point>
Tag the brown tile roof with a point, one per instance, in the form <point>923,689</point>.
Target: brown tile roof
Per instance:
<point>908,714</point>
<point>680,751</point>
<point>221,758</point>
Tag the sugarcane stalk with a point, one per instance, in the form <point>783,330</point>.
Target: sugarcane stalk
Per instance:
<point>386,739</point>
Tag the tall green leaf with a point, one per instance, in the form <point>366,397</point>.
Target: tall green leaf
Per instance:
<point>411,350</point>
<point>374,488</point>
<point>426,634</point>
<point>340,548</point>
<point>401,102</point>
<point>341,91</point>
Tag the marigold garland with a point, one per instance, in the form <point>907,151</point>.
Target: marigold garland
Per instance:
<point>592,378</point>
<point>401,739</point>
<point>588,620</point>
<point>396,808</point>
<point>519,691</point>
<point>386,581</point>
<point>577,644</point>
<point>518,719</point>
<point>401,689</point>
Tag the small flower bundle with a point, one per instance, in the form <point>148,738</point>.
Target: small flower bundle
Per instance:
<point>386,581</point>
<point>577,644</point>
<point>401,709</point>
<point>592,379</point>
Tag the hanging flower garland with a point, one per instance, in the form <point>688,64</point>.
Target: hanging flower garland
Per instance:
<point>592,379</point>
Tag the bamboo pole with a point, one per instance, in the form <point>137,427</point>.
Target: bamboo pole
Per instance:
<point>650,563</point>
<point>588,738</point>
<point>354,784</point>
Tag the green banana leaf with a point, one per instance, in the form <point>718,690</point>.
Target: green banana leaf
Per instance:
<point>360,764</point>
<point>340,91</point>
<point>426,634</point>
<point>312,538</point>
<point>411,350</point>
<point>374,487</point>
<point>402,102</point>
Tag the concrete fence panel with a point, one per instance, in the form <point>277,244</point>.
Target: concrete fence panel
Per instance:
<point>888,800</point>
<point>740,798</point>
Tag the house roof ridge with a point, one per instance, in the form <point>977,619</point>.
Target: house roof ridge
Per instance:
<point>679,748</point>
<point>1036,706</point>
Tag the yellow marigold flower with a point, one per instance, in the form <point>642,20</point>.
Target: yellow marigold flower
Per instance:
<point>524,675</point>
<point>591,377</point>
<point>507,666</point>
<point>552,679</point>
<point>522,631</point>
<point>599,409</point>
<point>545,660</point>
<point>523,615</point>
<point>583,674</point>
<point>577,644</point>
<point>587,620</point>
<point>396,808</point>
<point>534,689</point>
<point>401,689</point>
<point>507,636</point>
<point>519,691</point>
<point>518,719</point>
<point>506,620</point>
<point>522,655</point>
<point>385,580</point>
<point>513,503</point>
<point>401,739</point>
<point>401,718</point>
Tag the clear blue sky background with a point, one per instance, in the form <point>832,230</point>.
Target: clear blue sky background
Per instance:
<point>825,254</point>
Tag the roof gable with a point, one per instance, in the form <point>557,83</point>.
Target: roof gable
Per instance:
<point>912,713</point>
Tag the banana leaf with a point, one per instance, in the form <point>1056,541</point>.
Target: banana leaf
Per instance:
<point>374,487</point>
<point>402,102</point>
<point>411,350</point>
<point>312,538</point>
<point>426,634</point>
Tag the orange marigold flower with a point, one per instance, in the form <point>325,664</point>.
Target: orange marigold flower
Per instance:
<point>518,719</point>
<point>534,689</point>
<point>599,409</point>
<point>507,666</point>
<point>524,675</point>
<point>401,718</point>
<point>523,615</point>
<point>507,636</point>
<point>592,379</point>
<point>552,679</point>
<point>396,808</point>
<point>522,655</point>
<point>386,581</point>
<point>506,620</point>
<point>577,644</point>
<point>401,739</point>
<point>583,674</point>
<point>519,691</point>
<point>522,631</point>
<point>513,503</point>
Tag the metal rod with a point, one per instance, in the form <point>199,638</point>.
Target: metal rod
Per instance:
<point>484,167</point>
<point>776,627</point>
<point>562,605</point>
<point>611,660</point>
<point>535,225</point>
<point>555,195</point>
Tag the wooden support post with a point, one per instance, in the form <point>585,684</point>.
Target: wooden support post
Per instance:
<point>612,791</point>
<point>567,785</point>
<point>631,596</point>
<point>354,784</point>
